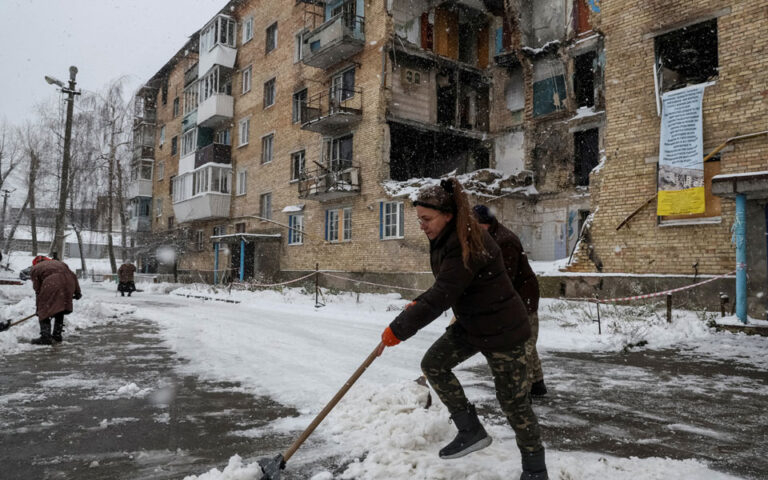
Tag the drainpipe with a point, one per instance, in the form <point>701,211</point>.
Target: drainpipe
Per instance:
<point>216,263</point>
<point>242,259</point>
<point>739,238</point>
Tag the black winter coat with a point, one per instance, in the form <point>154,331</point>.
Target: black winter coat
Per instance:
<point>516,262</point>
<point>490,314</point>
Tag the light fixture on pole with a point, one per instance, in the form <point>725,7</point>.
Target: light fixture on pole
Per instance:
<point>57,246</point>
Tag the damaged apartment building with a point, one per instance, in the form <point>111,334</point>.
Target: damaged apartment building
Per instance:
<point>286,136</point>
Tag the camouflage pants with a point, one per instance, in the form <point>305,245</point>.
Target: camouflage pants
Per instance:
<point>535,374</point>
<point>509,376</point>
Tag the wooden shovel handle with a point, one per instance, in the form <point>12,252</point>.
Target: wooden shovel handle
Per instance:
<point>320,416</point>
<point>22,320</point>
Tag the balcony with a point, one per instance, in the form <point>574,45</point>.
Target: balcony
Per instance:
<point>202,207</point>
<point>333,112</point>
<point>139,188</point>
<point>324,185</point>
<point>335,40</point>
<point>215,110</point>
<point>139,224</point>
<point>217,43</point>
<point>213,153</point>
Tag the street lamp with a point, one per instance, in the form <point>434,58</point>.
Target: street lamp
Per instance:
<point>57,246</point>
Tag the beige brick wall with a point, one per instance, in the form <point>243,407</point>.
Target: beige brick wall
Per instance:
<point>735,105</point>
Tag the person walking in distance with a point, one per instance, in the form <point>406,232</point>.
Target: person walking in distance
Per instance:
<point>526,284</point>
<point>55,286</point>
<point>125,277</point>
<point>491,319</point>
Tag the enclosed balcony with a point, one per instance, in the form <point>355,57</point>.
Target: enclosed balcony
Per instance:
<point>217,43</point>
<point>144,141</point>
<point>139,219</point>
<point>202,194</point>
<point>216,105</point>
<point>324,184</point>
<point>340,37</point>
<point>139,188</point>
<point>333,111</point>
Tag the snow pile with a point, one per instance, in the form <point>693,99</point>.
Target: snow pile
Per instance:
<point>87,312</point>
<point>132,390</point>
<point>235,470</point>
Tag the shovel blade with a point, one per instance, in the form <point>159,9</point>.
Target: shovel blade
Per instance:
<point>5,325</point>
<point>271,467</point>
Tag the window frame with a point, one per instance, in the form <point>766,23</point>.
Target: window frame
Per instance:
<point>243,139</point>
<point>296,104</point>
<point>270,92</point>
<point>267,148</point>
<point>338,225</point>
<point>160,170</point>
<point>265,206</point>
<point>246,79</point>
<point>398,213</point>
<point>271,39</point>
<point>296,229</point>
<point>247,29</point>
<point>296,175</point>
<point>242,182</point>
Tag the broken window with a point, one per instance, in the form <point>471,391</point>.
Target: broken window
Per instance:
<point>514,90</point>
<point>548,87</point>
<point>687,56</point>
<point>584,79</point>
<point>586,151</point>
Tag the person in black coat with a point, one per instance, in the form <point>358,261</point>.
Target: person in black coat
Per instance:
<point>491,318</point>
<point>526,284</point>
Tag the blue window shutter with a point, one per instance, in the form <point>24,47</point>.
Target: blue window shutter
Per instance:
<point>401,215</point>
<point>381,220</point>
<point>499,40</point>
<point>326,225</point>
<point>291,226</point>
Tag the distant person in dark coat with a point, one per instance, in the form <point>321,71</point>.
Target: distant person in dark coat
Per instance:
<point>125,277</point>
<point>55,286</point>
<point>526,284</point>
<point>470,278</point>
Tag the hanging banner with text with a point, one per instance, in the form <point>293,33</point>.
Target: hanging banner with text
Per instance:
<point>681,169</point>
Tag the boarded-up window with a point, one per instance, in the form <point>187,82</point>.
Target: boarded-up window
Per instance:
<point>427,41</point>
<point>446,33</point>
<point>582,17</point>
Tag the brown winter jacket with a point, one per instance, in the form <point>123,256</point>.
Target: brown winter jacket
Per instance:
<point>125,272</point>
<point>516,262</point>
<point>490,315</point>
<point>55,285</point>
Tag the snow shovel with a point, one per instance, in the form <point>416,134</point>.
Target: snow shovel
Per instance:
<point>8,324</point>
<point>271,467</point>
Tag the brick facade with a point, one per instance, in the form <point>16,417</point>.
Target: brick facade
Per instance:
<point>735,104</point>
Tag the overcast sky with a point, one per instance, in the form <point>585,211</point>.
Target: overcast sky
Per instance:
<point>105,39</point>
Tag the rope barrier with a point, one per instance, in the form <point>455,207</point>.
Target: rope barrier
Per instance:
<point>253,284</point>
<point>651,295</point>
<point>371,283</point>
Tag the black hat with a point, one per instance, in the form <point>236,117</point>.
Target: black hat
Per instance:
<point>483,214</point>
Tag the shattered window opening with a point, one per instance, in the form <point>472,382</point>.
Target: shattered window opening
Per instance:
<point>586,151</point>
<point>687,56</point>
<point>584,79</point>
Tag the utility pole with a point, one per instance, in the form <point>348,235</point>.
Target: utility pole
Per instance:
<point>6,194</point>
<point>57,246</point>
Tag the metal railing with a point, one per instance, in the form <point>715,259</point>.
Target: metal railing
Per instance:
<point>332,102</point>
<point>342,179</point>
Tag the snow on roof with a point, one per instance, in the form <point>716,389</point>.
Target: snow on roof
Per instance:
<point>481,183</point>
<point>293,208</point>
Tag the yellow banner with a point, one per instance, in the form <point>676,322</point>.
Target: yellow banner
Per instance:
<point>681,202</point>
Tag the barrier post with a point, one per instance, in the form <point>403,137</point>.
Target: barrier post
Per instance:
<point>317,287</point>
<point>669,308</point>
<point>599,327</point>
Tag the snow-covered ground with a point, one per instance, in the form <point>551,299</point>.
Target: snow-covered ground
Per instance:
<point>276,343</point>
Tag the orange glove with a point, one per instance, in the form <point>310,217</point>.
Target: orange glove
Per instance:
<point>388,338</point>
<point>409,305</point>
